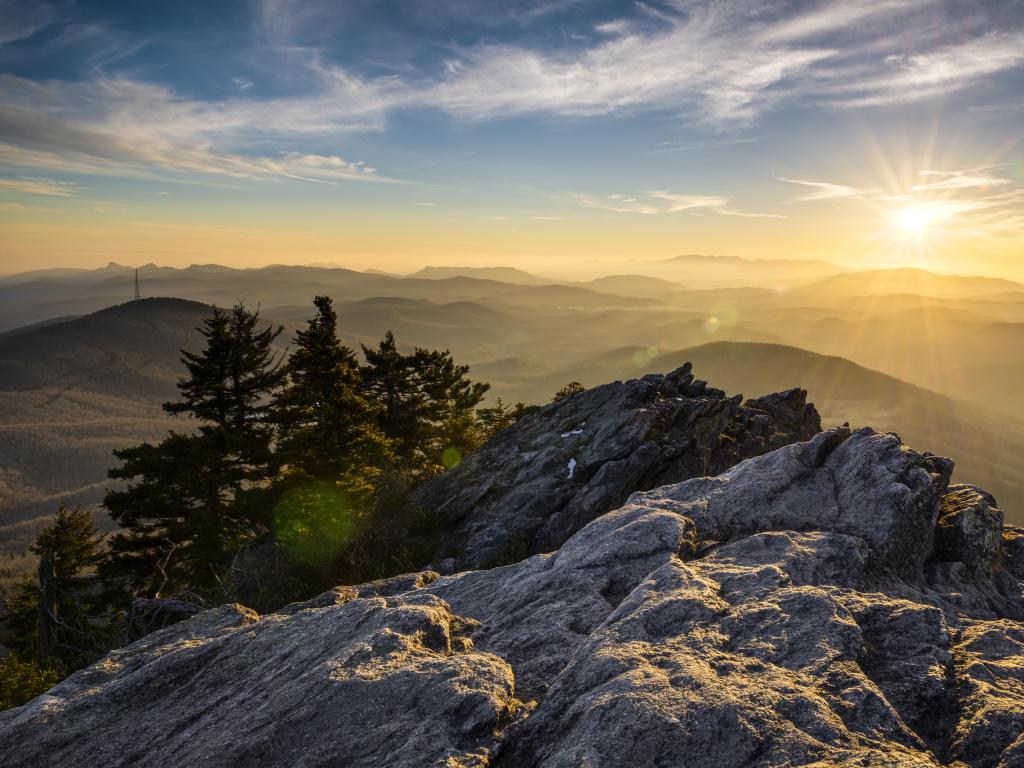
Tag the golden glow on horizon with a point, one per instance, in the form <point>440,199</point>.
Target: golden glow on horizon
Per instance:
<point>893,209</point>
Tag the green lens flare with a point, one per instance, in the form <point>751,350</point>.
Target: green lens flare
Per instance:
<point>314,521</point>
<point>642,358</point>
<point>451,457</point>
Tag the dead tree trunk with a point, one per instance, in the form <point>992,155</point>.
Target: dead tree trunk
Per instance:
<point>47,607</point>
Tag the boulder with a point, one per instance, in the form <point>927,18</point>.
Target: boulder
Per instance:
<point>516,496</point>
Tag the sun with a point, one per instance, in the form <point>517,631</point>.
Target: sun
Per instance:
<point>914,220</point>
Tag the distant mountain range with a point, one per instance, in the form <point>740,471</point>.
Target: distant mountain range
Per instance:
<point>503,274</point>
<point>933,357</point>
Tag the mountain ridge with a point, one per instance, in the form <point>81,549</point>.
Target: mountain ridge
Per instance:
<point>834,601</point>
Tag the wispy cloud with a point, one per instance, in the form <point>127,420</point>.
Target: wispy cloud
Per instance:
<point>128,128</point>
<point>824,190</point>
<point>720,65</point>
<point>976,178</point>
<point>45,187</point>
<point>700,146</point>
<point>905,78</point>
<point>730,61</point>
<point>726,83</point>
<point>21,19</point>
<point>657,202</point>
<point>838,15</point>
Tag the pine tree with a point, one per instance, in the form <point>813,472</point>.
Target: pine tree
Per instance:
<point>501,416</point>
<point>329,447</point>
<point>55,619</point>
<point>570,389</point>
<point>326,429</point>
<point>193,499</point>
<point>426,402</point>
<point>21,680</point>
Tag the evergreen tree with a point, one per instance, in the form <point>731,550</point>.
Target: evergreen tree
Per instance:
<point>426,402</point>
<point>329,447</point>
<point>326,429</point>
<point>21,680</point>
<point>501,416</point>
<point>56,619</point>
<point>193,499</point>
<point>570,389</point>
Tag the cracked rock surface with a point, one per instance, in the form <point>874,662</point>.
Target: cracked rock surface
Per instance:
<point>830,603</point>
<point>514,497</point>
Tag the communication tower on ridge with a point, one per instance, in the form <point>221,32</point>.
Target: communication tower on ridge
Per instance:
<point>138,295</point>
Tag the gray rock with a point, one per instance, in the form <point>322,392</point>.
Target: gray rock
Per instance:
<point>970,530</point>
<point>1013,548</point>
<point>512,498</point>
<point>784,613</point>
<point>323,687</point>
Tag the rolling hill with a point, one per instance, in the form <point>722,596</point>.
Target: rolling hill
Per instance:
<point>502,274</point>
<point>73,391</point>
<point>910,280</point>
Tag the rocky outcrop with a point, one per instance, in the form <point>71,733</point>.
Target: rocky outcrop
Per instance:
<point>518,496</point>
<point>826,604</point>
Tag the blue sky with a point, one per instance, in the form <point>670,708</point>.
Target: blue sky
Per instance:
<point>484,128</point>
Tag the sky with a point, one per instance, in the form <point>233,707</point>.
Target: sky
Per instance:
<point>550,135</point>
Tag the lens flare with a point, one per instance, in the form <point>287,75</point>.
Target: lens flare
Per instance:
<point>315,521</point>
<point>451,457</point>
<point>643,357</point>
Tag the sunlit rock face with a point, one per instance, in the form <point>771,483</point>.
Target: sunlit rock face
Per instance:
<point>535,484</point>
<point>831,603</point>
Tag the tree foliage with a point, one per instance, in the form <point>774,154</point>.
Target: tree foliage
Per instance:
<point>21,680</point>
<point>426,403</point>
<point>326,428</point>
<point>193,499</point>
<point>570,389</point>
<point>57,624</point>
<point>501,416</point>
<point>296,477</point>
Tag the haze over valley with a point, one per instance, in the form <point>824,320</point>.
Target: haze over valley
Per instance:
<point>931,357</point>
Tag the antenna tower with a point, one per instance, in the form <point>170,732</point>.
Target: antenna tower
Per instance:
<point>138,295</point>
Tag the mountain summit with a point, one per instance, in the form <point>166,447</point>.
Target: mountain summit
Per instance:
<point>830,602</point>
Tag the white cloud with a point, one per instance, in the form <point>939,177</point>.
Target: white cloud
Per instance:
<point>837,15</point>
<point>978,178</point>
<point>128,128</point>
<point>692,65</point>
<point>658,202</point>
<point>695,146</point>
<point>906,78</point>
<point>45,187</point>
<point>823,190</point>
<point>718,64</point>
